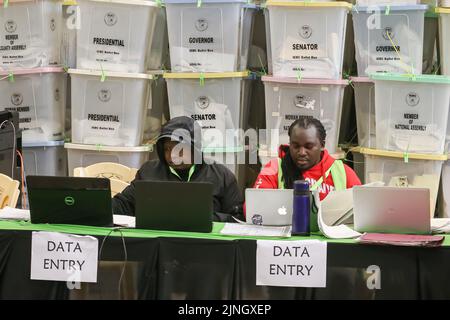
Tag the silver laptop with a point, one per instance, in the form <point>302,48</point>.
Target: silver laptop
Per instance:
<point>269,207</point>
<point>391,210</point>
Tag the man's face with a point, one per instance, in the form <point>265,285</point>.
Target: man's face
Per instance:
<point>177,155</point>
<point>305,147</point>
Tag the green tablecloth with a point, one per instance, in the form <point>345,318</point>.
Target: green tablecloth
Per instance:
<point>139,233</point>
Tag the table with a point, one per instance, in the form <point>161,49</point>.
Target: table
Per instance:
<point>180,265</point>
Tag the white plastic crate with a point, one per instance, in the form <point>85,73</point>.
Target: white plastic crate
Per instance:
<point>306,39</point>
<point>30,35</point>
<point>109,112</point>
<point>386,2</point>
<point>39,97</point>
<point>417,171</point>
<point>444,37</point>
<point>265,157</point>
<point>45,159</point>
<point>444,34</point>
<point>411,112</point>
<point>365,111</point>
<point>84,155</point>
<point>389,39</point>
<point>114,35</point>
<point>218,103</point>
<point>287,99</point>
<point>214,37</point>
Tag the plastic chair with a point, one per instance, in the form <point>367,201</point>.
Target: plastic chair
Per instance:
<point>117,186</point>
<point>108,170</point>
<point>9,191</point>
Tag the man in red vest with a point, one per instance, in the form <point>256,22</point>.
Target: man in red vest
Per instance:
<point>305,158</point>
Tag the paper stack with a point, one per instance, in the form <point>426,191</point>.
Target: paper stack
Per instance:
<point>401,240</point>
<point>237,229</point>
<point>440,225</point>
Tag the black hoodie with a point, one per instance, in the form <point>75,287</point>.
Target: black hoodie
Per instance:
<point>227,198</point>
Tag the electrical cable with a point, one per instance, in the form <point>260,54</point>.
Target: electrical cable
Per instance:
<point>125,254</point>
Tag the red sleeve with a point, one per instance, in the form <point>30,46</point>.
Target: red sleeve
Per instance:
<point>268,177</point>
<point>352,178</point>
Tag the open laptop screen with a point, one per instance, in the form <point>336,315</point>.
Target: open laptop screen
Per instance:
<point>175,206</point>
<point>70,200</point>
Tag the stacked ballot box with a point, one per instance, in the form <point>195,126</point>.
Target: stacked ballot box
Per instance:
<point>119,49</point>
<point>305,43</point>
<point>83,155</point>
<point>444,33</point>
<point>397,169</point>
<point>209,44</point>
<point>33,81</point>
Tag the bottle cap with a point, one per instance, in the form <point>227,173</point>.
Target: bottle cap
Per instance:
<point>301,185</point>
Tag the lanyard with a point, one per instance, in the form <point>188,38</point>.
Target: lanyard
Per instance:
<point>191,172</point>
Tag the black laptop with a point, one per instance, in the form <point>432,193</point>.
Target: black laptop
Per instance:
<point>175,206</point>
<point>70,200</point>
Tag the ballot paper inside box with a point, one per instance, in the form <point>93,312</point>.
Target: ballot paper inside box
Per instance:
<point>391,42</point>
<point>115,35</point>
<point>398,169</point>
<point>109,108</point>
<point>306,39</point>
<point>287,99</point>
<point>30,34</point>
<point>212,37</point>
<point>411,112</point>
<point>218,102</point>
<point>38,95</point>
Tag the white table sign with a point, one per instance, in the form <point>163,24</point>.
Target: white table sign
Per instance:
<point>63,257</point>
<point>291,263</point>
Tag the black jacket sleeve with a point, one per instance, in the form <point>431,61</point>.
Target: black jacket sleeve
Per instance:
<point>231,199</point>
<point>124,203</point>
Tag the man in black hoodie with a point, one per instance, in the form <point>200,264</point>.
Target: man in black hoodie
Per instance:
<point>185,164</point>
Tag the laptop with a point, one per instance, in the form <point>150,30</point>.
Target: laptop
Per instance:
<point>70,200</point>
<point>269,207</point>
<point>174,206</point>
<point>391,210</point>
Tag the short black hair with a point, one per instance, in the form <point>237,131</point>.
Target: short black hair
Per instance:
<point>305,122</point>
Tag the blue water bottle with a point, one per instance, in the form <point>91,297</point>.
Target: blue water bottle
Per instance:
<point>302,206</point>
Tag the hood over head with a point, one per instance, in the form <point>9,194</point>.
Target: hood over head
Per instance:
<point>181,129</point>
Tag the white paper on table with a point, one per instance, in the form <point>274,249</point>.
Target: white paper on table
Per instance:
<point>125,221</point>
<point>336,205</point>
<point>335,232</point>
<point>9,213</point>
<point>236,229</point>
<point>440,225</point>
<point>291,263</point>
<point>63,257</point>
